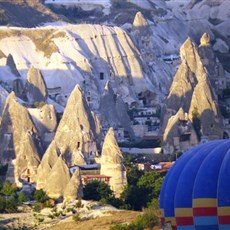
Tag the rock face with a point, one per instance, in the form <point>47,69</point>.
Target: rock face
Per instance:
<point>75,138</point>
<point>35,87</point>
<point>213,66</point>
<point>77,129</point>
<point>10,62</point>
<point>74,189</point>
<point>179,133</point>
<point>143,36</point>
<point>57,179</point>
<point>19,140</point>
<point>44,118</point>
<point>139,20</point>
<point>113,110</point>
<point>112,163</point>
<point>191,90</point>
<point>48,161</point>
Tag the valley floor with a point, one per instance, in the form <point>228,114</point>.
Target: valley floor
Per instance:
<point>27,221</point>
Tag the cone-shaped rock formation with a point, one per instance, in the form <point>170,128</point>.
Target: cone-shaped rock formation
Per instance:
<point>74,189</point>
<point>58,179</point>
<point>113,110</point>
<point>35,87</point>
<point>74,138</point>
<point>139,20</point>
<point>19,140</point>
<point>192,91</point>
<point>112,163</point>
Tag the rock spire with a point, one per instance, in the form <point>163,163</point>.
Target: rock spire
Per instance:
<point>36,87</point>
<point>112,163</point>
<point>19,140</point>
<point>191,90</point>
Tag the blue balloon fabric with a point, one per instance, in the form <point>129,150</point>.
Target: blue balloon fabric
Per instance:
<point>195,194</point>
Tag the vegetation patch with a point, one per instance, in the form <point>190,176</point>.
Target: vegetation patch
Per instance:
<point>42,38</point>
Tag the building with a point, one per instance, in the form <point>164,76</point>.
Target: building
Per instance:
<point>88,178</point>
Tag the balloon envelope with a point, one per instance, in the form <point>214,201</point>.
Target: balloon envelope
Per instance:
<point>195,194</point>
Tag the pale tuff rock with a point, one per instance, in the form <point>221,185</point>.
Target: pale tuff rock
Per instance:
<point>191,58</point>
<point>221,46</point>
<point>19,140</point>
<point>191,90</point>
<point>44,118</point>
<point>82,52</point>
<point>181,90</point>
<point>112,163</point>
<point>113,110</point>
<point>57,179</point>
<point>35,87</point>
<point>3,96</point>
<point>77,158</point>
<point>74,138</point>
<point>10,62</point>
<point>139,20</point>
<point>211,121</point>
<point>205,40</point>
<point>47,163</point>
<point>213,66</point>
<point>77,129</point>
<point>74,189</point>
<point>177,126</point>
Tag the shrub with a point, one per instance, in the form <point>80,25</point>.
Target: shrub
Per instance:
<point>37,207</point>
<point>79,204</point>
<point>2,204</point>
<point>40,196</point>
<point>76,217</point>
<point>8,189</point>
<point>11,205</point>
<point>39,104</point>
<point>148,220</point>
<point>21,197</point>
<point>97,190</point>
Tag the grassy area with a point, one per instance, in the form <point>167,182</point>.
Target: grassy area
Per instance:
<point>104,222</point>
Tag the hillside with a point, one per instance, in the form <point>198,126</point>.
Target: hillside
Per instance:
<point>25,13</point>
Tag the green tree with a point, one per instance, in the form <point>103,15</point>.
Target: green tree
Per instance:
<point>2,204</point>
<point>151,182</point>
<point>97,190</point>
<point>9,189</point>
<point>11,205</point>
<point>134,197</point>
<point>21,197</point>
<point>137,196</point>
<point>133,175</point>
<point>40,196</point>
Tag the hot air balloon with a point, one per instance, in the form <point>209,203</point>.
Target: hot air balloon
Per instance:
<point>195,194</point>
